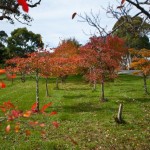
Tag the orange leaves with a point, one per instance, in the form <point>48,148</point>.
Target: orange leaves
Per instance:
<point>141,61</point>
<point>28,132</point>
<point>24,5</point>
<point>7,129</point>
<point>6,106</point>
<point>27,114</point>
<point>17,127</point>
<point>45,107</point>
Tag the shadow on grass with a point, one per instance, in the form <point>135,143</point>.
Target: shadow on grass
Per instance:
<point>86,107</point>
<point>74,96</point>
<point>82,107</point>
<point>132,100</point>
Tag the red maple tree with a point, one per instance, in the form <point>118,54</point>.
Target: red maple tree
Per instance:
<point>101,57</point>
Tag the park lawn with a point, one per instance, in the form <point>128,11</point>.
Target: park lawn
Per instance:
<point>85,122</point>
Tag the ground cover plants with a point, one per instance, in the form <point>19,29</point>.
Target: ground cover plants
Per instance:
<point>84,122</point>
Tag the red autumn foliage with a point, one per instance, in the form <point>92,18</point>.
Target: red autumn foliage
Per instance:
<point>2,71</point>
<point>14,115</point>
<point>53,113</point>
<point>101,58</point>
<point>2,85</point>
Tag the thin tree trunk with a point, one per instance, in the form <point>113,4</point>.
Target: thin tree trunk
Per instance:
<point>12,79</point>
<point>94,85</point>
<point>47,93</point>
<point>37,90</point>
<point>145,84</point>
<point>57,87</point>
<point>102,92</point>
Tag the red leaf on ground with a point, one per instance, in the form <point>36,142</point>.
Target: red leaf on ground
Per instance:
<point>8,105</point>
<point>17,128</point>
<point>33,123</point>
<point>28,132</point>
<point>27,114</point>
<point>55,124</point>
<point>7,128</point>
<point>42,125</point>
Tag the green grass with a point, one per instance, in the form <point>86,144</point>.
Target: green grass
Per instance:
<point>85,122</point>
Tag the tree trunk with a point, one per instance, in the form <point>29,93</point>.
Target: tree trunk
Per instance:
<point>145,84</point>
<point>37,90</point>
<point>94,85</point>
<point>47,93</point>
<point>102,92</point>
<point>12,79</point>
<point>23,79</point>
<point>57,82</point>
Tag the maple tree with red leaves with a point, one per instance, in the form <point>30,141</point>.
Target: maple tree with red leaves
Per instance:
<point>101,57</point>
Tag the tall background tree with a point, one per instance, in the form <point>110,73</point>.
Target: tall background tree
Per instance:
<point>23,41</point>
<point>135,33</point>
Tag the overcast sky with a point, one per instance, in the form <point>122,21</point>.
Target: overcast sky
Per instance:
<point>52,19</point>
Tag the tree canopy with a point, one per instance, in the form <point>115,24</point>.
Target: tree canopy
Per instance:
<point>23,41</point>
<point>133,32</point>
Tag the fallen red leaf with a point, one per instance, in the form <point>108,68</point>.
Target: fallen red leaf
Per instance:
<point>55,124</point>
<point>33,123</point>
<point>7,128</point>
<point>42,125</point>
<point>27,114</point>
<point>28,132</point>
<point>17,128</point>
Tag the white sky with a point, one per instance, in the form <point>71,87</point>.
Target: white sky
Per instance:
<point>52,19</point>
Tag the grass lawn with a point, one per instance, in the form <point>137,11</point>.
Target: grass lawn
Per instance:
<point>85,122</point>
